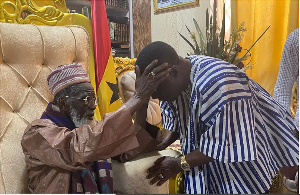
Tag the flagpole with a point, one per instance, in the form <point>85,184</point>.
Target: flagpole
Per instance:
<point>131,29</point>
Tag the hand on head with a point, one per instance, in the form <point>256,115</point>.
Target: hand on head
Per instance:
<point>147,83</point>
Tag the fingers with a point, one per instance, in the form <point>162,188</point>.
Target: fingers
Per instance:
<point>160,182</point>
<point>156,164</point>
<point>150,67</point>
<point>159,79</point>
<point>161,68</point>
<point>159,160</point>
<point>153,174</point>
<point>153,168</point>
<point>156,178</point>
<point>155,171</point>
<point>162,75</point>
<point>137,72</point>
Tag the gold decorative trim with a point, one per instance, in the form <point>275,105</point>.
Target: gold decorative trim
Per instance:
<point>47,12</point>
<point>277,182</point>
<point>123,64</point>
<point>180,183</point>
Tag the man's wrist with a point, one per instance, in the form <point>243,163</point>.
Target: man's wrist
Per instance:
<point>161,146</point>
<point>143,98</point>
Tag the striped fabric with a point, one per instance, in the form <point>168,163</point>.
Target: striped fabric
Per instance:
<point>66,75</point>
<point>227,116</point>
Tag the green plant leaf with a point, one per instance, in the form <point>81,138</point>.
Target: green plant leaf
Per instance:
<point>186,40</point>
<point>207,21</point>
<point>197,49</point>
<point>188,29</point>
<point>248,50</point>
<point>200,35</point>
<point>214,30</point>
<point>233,40</point>
<point>233,57</point>
<point>222,34</point>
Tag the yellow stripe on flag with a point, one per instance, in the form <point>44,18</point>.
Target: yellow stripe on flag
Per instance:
<point>108,99</point>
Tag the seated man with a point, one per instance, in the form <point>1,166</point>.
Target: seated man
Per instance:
<point>234,135</point>
<point>61,148</point>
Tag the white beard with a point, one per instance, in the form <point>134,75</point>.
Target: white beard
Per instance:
<point>78,122</point>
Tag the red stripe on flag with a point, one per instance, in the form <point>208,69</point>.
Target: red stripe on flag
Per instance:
<point>102,44</point>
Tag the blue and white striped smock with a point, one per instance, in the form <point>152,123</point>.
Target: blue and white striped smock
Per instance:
<point>229,117</point>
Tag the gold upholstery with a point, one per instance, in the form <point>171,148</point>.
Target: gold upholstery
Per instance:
<point>28,53</point>
<point>48,12</point>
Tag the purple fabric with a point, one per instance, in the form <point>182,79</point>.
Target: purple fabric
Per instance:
<point>97,177</point>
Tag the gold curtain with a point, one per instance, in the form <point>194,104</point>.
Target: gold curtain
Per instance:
<point>283,17</point>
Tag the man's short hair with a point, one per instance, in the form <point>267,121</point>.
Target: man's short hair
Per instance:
<point>156,50</point>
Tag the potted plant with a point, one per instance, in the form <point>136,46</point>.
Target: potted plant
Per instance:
<point>214,43</point>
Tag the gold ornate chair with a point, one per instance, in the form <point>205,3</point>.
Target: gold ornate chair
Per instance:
<point>28,53</point>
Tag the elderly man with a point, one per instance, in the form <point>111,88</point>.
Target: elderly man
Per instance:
<point>62,148</point>
<point>234,135</point>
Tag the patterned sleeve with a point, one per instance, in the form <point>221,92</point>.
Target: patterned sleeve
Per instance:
<point>231,136</point>
<point>168,115</point>
<point>288,70</point>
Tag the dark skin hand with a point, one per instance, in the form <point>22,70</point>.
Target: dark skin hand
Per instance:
<point>170,166</point>
<point>145,86</point>
<point>290,172</point>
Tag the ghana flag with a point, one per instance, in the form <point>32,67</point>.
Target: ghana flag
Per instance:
<point>106,85</point>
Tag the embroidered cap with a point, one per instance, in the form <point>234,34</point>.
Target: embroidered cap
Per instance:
<point>66,75</point>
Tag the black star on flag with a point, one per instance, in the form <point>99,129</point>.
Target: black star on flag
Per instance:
<point>114,88</point>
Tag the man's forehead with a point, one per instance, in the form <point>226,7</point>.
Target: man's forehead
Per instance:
<point>83,88</point>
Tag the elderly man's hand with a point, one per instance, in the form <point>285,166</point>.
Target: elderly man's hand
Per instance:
<point>147,83</point>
